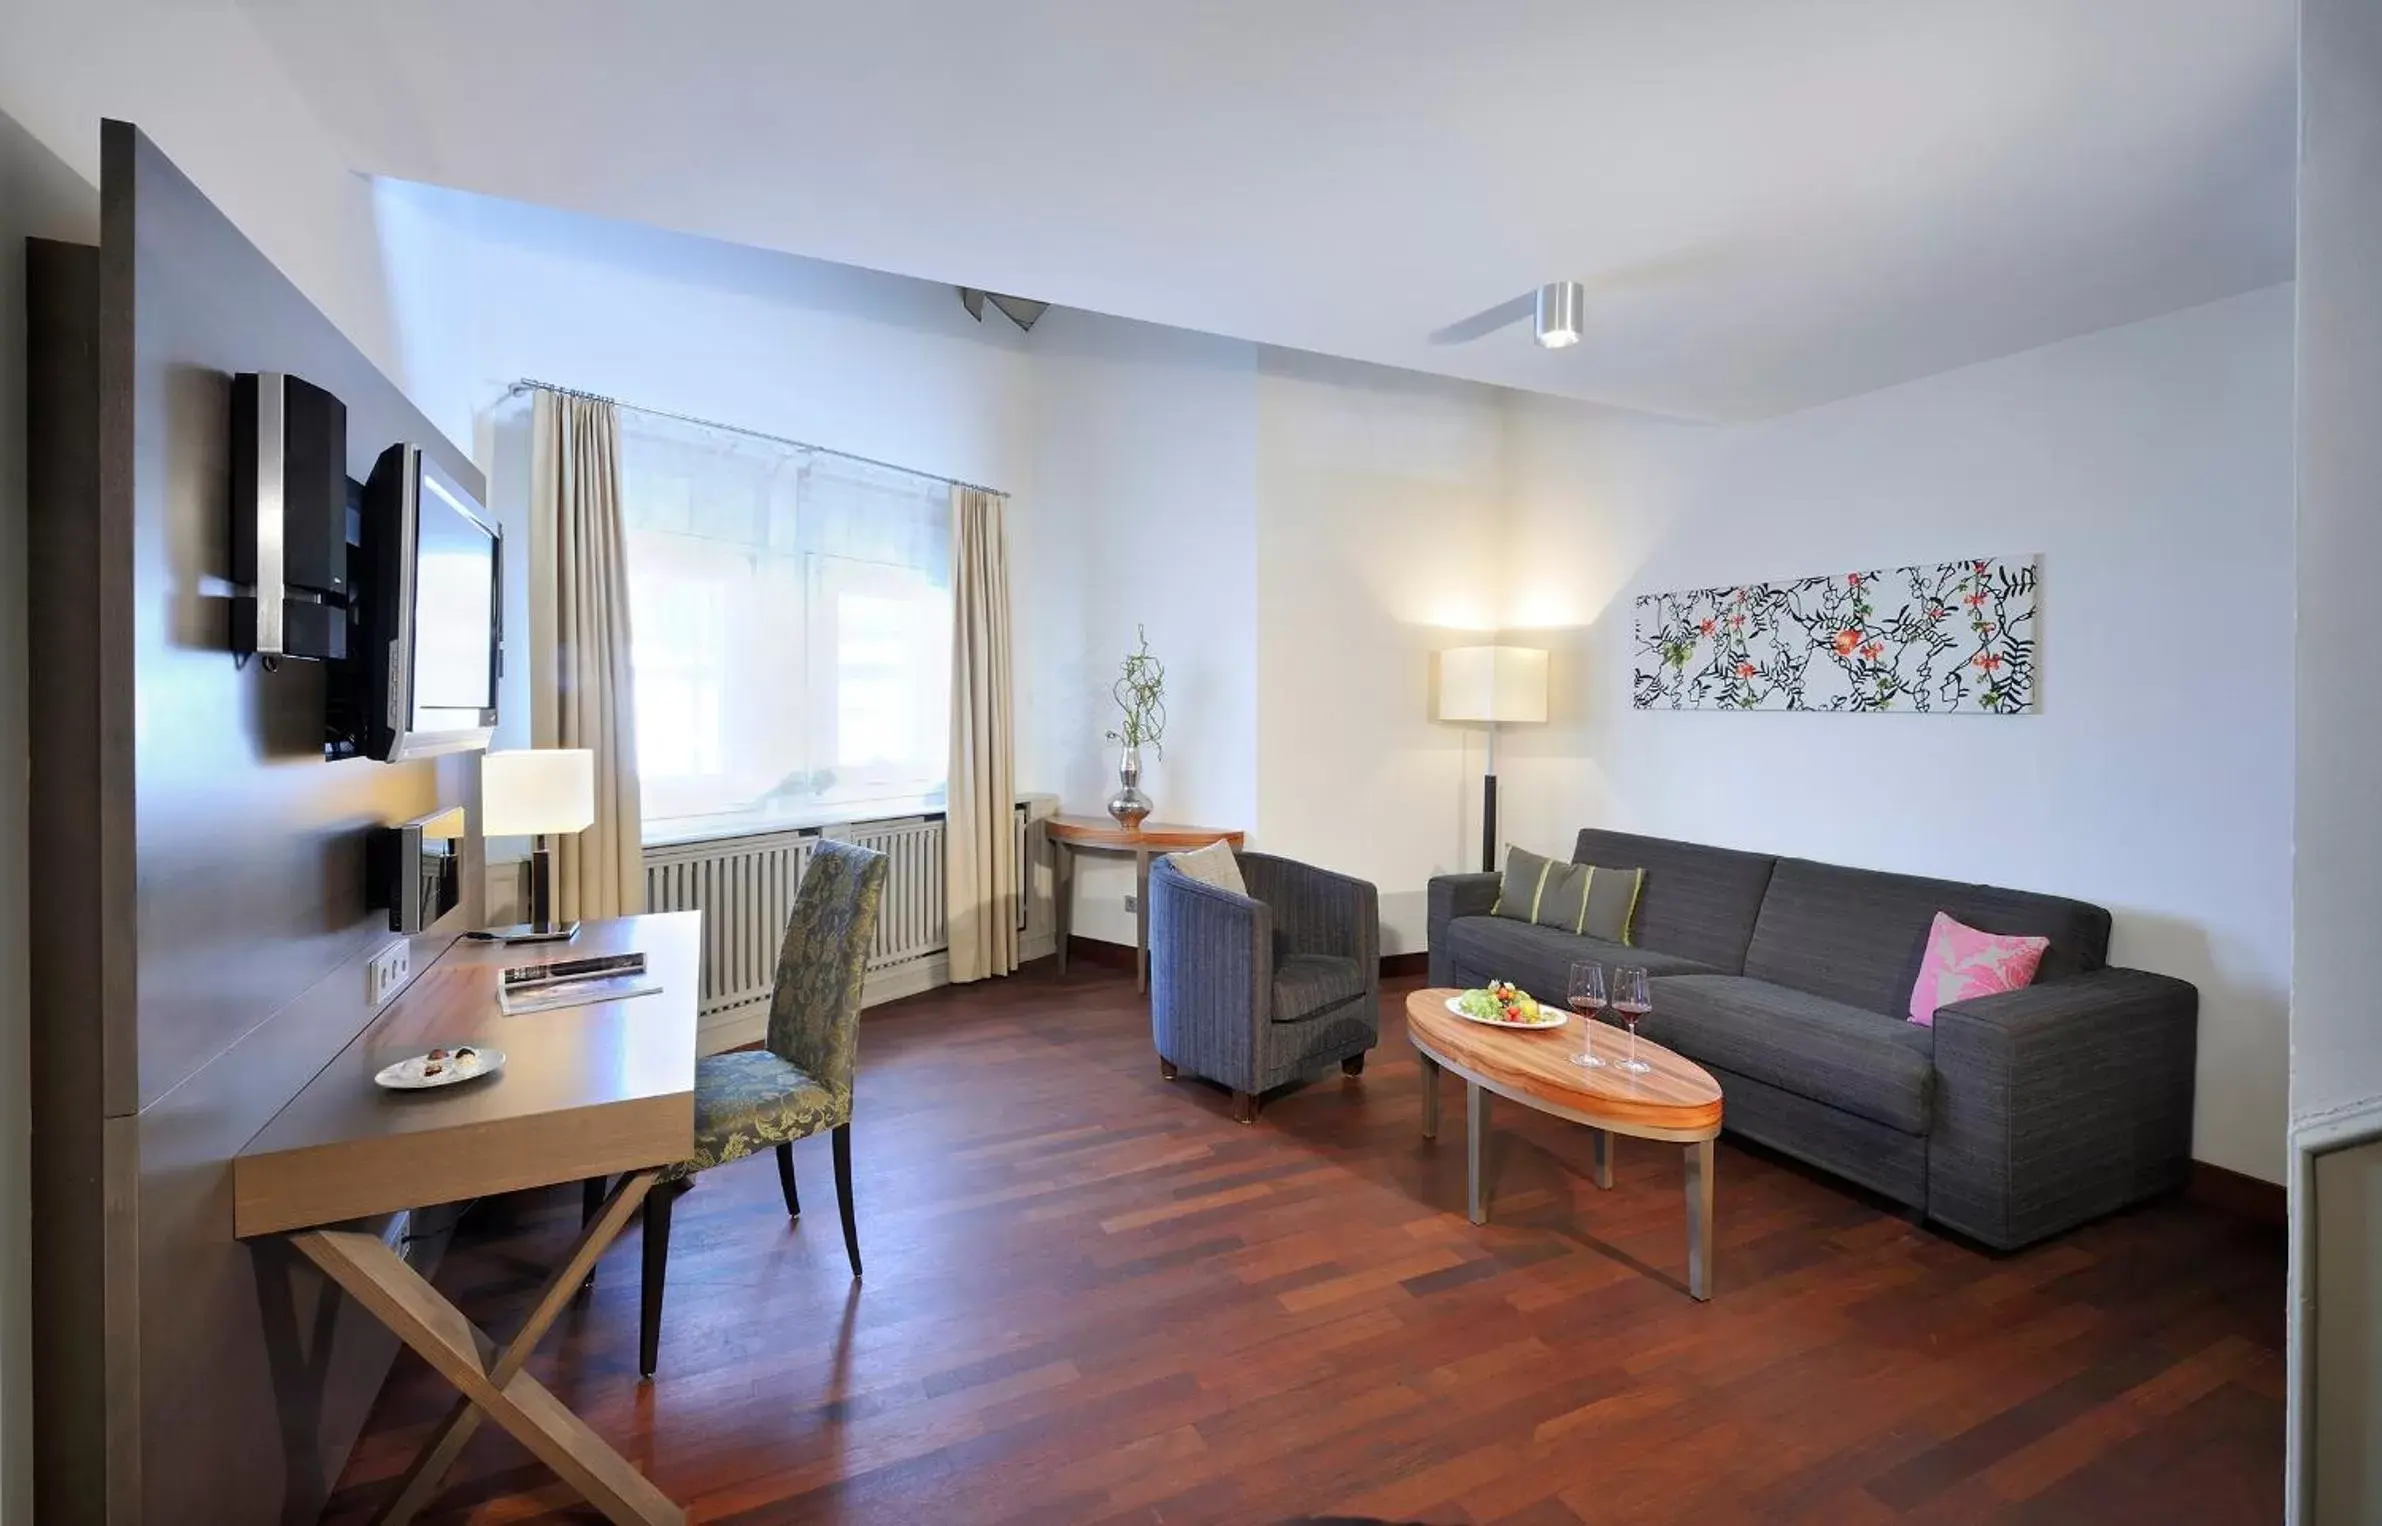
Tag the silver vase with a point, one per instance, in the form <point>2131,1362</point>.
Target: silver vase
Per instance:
<point>1129,805</point>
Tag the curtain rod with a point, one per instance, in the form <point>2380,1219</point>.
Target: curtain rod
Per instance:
<point>526,384</point>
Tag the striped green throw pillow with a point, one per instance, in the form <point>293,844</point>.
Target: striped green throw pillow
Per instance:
<point>1578,898</point>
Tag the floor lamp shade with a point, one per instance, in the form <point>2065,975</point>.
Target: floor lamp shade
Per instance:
<point>1493,683</point>
<point>1492,686</point>
<point>538,794</point>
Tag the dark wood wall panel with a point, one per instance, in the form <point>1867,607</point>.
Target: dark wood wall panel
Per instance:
<point>247,839</point>
<point>224,963</point>
<point>73,841</point>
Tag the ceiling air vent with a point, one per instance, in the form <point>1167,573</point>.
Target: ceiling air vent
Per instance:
<point>1021,311</point>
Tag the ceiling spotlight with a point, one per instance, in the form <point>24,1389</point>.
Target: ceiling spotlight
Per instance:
<point>1557,321</point>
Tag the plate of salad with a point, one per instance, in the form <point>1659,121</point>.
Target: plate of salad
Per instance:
<point>1502,1004</point>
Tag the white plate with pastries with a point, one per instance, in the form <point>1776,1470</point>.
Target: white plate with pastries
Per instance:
<point>441,1067</point>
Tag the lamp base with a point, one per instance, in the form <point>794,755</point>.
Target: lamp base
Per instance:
<point>531,932</point>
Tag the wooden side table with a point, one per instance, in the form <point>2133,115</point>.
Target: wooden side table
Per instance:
<point>1070,835</point>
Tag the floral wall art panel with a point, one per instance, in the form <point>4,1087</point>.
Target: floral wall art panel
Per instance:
<point>1954,637</point>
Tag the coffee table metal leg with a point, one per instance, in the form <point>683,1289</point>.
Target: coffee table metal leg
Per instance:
<point>1699,1219</point>
<point>1476,1152</point>
<point>1604,1157</point>
<point>1430,1097</point>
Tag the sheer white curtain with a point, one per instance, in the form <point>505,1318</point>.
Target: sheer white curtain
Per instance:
<point>793,614</point>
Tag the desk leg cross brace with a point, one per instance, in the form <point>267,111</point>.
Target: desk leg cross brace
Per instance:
<point>490,1378</point>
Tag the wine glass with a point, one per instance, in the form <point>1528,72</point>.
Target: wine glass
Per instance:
<point>1588,999</point>
<point>1631,1000</point>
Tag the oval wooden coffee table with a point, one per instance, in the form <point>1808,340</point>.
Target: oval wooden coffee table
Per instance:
<point>1675,1101</point>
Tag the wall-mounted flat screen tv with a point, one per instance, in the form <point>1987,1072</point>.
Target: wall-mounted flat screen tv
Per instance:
<point>433,642</point>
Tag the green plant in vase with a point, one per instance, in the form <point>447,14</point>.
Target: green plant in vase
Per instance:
<point>1140,691</point>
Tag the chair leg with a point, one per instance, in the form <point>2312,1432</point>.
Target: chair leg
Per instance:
<point>657,1267</point>
<point>785,1180</point>
<point>1354,1065</point>
<point>1244,1107</point>
<point>1166,1070</point>
<point>842,1139</point>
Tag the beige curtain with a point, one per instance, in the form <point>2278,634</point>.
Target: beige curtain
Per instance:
<point>580,693</point>
<point>980,826</point>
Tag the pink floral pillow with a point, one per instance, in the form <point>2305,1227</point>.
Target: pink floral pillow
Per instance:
<point>1962,962</point>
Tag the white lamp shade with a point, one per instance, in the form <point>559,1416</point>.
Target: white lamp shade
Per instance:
<point>524,794</point>
<point>1493,683</point>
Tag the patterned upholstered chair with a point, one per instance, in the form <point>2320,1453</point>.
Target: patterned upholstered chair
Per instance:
<point>800,1082</point>
<point>1254,991</point>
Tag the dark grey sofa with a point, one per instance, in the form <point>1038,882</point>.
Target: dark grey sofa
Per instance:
<point>1260,990</point>
<point>2015,1117</point>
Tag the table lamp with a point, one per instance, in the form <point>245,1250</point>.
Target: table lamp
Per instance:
<point>536,795</point>
<point>1493,686</point>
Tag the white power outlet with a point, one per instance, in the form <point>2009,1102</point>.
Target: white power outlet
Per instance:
<point>387,972</point>
<point>1132,903</point>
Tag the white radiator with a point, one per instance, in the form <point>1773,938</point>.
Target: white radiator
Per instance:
<point>745,887</point>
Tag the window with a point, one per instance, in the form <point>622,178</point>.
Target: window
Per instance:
<point>791,618</point>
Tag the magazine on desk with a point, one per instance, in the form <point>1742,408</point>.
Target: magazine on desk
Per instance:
<point>573,983</point>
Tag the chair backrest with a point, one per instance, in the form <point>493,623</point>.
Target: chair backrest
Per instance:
<point>814,1005</point>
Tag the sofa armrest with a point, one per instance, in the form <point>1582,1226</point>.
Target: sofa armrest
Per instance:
<point>2061,1102</point>
<point>1317,911</point>
<point>1453,896</point>
<point>1211,977</point>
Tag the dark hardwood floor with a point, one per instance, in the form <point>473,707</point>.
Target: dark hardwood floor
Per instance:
<point>1092,1297</point>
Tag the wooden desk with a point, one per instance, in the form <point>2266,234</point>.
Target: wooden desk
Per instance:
<point>1070,835</point>
<point>586,1092</point>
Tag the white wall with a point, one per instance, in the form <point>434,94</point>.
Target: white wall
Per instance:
<point>1142,511</point>
<point>2150,466</point>
<point>2336,1036</point>
<point>1379,518</point>
<point>197,78</point>
<point>2336,1041</point>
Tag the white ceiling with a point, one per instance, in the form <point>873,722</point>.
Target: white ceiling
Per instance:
<point>1773,202</point>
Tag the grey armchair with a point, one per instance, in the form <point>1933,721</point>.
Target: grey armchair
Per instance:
<point>1259,990</point>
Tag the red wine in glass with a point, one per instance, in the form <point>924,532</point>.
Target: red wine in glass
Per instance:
<point>1632,1001</point>
<point>1587,996</point>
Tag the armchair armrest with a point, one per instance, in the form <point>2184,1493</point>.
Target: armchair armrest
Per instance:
<point>1316,910</point>
<point>2061,1102</point>
<point>1211,976</point>
<point>1453,896</point>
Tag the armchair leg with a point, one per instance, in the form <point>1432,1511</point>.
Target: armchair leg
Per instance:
<point>1354,1065</point>
<point>1166,1070</point>
<point>785,1180</point>
<point>657,1267</point>
<point>843,1193</point>
<point>1244,1107</point>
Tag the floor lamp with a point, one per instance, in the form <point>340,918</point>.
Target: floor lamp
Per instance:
<point>1492,686</point>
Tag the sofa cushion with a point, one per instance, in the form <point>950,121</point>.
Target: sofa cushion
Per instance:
<point>1611,902</point>
<point>1698,903</point>
<point>1211,865</point>
<point>1539,959</point>
<point>1538,889</point>
<point>1855,935</point>
<point>1305,984</point>
<point>1880,1068</point>
<point>1962,963</point>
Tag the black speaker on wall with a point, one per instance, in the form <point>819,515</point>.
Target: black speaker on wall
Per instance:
<point>289,517</point>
